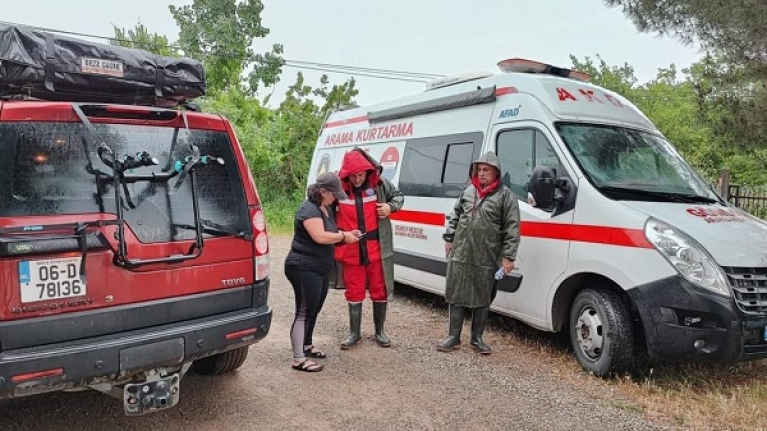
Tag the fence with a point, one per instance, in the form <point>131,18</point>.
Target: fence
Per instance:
<point>752,200</point>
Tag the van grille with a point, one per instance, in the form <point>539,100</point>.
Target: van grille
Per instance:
<point>750,288</point>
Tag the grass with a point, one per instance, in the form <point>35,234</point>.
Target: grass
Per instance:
<point>715,397</point>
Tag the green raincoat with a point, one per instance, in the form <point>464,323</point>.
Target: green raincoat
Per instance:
<point>483,232</point>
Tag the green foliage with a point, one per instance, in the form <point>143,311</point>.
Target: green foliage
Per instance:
<point>280,211</point>
<point>220,34</point>
<point>139,37</point>
<point>734,28</point>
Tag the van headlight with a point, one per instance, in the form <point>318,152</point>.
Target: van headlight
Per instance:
<point>687,256</point>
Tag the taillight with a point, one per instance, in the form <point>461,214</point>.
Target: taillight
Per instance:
<point>260,243</point>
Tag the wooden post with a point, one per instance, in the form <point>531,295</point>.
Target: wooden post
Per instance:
<point>724,183</point>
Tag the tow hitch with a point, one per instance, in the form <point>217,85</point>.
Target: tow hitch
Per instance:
<point>147,397</point>
<point>159,390</point>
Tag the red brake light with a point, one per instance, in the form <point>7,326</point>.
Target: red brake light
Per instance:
<point>520,65</point>
<point>260,243</point>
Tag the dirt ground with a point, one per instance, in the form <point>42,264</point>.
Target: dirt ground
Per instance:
<point>410,386</point>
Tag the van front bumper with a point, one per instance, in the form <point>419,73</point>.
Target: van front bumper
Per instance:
<point>684,323</point>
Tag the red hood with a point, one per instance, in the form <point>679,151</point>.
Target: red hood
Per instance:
<point>355,161</point>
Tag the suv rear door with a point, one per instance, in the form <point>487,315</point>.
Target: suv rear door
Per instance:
<point>57,206</point>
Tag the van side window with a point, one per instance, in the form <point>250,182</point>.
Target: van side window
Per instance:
<point>438,166</point>
<point>458,163</point>
<point>519,152</point>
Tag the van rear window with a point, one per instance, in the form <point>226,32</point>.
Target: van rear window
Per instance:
<point>48,169</point>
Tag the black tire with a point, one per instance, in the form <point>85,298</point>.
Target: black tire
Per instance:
<point>602,313</point>
<point>222,363</point>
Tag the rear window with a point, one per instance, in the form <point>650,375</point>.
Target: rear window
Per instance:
<point>44,171</point>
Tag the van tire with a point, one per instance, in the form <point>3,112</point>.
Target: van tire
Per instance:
<point>601,334</point>
<point>221,363</point>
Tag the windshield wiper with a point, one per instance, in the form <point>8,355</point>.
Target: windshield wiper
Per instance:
<point>659,195</point>
<point>216,229</point>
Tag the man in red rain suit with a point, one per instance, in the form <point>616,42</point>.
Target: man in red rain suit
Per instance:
<point>370,262</point>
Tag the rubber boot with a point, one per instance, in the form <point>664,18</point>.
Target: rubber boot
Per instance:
<point>355,319</point>
<point>379,317</point>
<point>453,340</point>
<point>478,322</point>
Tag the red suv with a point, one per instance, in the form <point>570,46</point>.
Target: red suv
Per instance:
<point>133,246</point>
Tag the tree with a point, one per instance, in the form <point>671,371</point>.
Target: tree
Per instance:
<point>139,37</point>
<point>731,80</point>
<point>734,28</point>
<point>220,34</point>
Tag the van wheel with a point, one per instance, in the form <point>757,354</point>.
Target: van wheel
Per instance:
<point>222,363</point>
<point>600,332</point>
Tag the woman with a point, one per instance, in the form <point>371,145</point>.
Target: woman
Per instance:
<point>309,262</point>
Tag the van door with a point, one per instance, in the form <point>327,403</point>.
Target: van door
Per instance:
<point>544,247</point>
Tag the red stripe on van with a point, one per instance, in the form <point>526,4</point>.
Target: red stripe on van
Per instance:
<point>435,219</point>
<point>505,90</point>
<point>353,120</point>
<point>587,233</point>
<point>582,233</point>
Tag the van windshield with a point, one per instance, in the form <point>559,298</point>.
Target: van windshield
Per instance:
<point>633,165</point>
<point>48,169</point>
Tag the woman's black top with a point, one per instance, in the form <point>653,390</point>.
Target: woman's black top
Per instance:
<point>304,251</point>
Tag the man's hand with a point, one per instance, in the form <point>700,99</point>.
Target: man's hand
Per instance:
<point>383,210</point>
<point>448,247</point>
<point>508,266</point>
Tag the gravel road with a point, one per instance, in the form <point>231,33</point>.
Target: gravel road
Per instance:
<point>409,386</point>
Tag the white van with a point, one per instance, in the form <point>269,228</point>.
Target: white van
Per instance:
<point>624,245</point>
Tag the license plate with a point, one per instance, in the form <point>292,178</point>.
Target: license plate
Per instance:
<point>44,280</point>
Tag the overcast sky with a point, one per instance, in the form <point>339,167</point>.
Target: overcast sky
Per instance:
<point>441,37</point>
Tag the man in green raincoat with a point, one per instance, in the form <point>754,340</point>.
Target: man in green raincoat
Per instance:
<point>482,235</point>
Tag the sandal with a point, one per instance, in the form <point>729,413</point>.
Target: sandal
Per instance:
<point>311,352</point>
<point>308,366</point>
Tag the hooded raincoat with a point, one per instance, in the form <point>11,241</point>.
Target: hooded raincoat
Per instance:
<point>483,232</point>
<point>387,193</point>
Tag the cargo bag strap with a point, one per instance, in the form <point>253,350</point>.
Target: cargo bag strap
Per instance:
<point>159,80</point>
<point>50,62</point>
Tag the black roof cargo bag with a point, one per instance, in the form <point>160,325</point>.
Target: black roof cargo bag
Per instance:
<point>41,65</point>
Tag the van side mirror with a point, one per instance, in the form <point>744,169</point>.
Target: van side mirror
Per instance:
<point>542,186</point>
<point>549,192</point>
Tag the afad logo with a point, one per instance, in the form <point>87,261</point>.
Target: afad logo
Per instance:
<point>509,113</point>
<point>389,162</point>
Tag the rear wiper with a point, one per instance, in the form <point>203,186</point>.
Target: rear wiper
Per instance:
<point>216,229</point>
<point>666,196</point>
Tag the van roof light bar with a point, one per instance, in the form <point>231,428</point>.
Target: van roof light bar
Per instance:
<point>520,65</point>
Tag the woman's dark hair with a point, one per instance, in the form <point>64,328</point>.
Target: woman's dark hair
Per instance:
<point>314,194</point>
